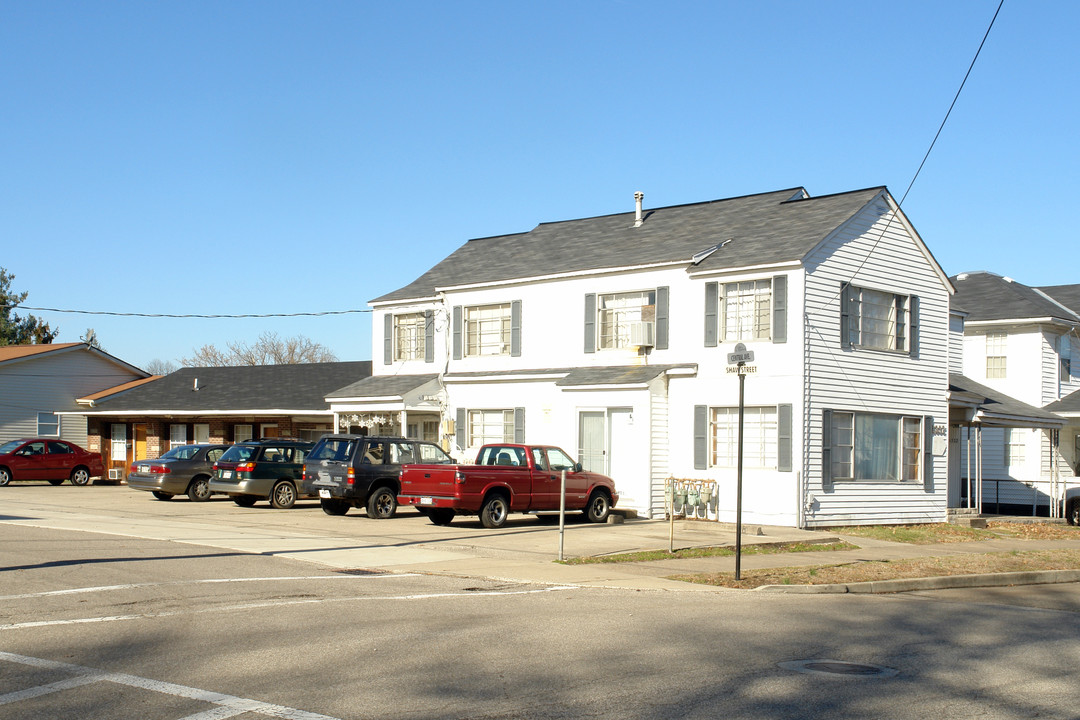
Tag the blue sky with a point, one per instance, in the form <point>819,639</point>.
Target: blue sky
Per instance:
<point>276,157</point>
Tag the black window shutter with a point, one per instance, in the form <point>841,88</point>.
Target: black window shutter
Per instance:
<point>429,336</point>
<point>661,318</point>
<point>826,450</point>
<point>457,332</point>
<point>712,294</point>
<point>913,331</point>
<point>928,454</point>
<point>515,328</point>
<point>783,438</point>
<point>845,315</point>
<point>459,430</point>
<point>388,339</point>
<point>779,312</point>
<point>701,437</point>
<point>519,425</point>
<point>590,323</point>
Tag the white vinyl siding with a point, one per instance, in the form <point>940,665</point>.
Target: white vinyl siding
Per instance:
<point>873,250</point>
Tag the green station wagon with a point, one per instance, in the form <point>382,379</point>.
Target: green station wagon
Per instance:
<point>269,469</point>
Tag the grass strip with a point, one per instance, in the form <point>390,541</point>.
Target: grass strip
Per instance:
<point>710,551</point>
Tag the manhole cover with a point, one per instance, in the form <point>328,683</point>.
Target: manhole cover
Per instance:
<point>838,668</point>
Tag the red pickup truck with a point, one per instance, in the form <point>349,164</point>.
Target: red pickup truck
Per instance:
<point>506,478</point>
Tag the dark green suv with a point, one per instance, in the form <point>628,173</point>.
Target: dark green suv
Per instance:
<point>269,469</point>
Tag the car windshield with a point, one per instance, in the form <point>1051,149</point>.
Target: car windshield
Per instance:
<point>239,453</point>
<point>9,446</point>
<point>182,452</point>
<point>332,449</point>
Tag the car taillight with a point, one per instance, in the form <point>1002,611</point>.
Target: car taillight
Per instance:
<point>245,467</point>
<point>459,477</point>
<point>160,469</point>
<point>351,479</point>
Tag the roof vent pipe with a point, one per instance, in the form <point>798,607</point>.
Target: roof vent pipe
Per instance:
<point>195,385</point>
<point>638,197</point>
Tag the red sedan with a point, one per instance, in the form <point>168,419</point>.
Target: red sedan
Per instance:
<point>48,459</point>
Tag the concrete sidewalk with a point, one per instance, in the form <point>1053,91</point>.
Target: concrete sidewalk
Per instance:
<point>524,550</point>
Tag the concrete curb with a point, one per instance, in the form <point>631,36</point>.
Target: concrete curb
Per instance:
<point>1040,577</point>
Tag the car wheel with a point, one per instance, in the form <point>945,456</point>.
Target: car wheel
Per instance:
<point>599,507</point>
<point>493,513</point>
<point>80,476</point>
<point>5,476</point>
<point>1073,513</point>
<point>55,481</point>
<point>161,495</point>
<point>440,516</point>
<point>283,496</point>
<point>245,500</point>
<point>382,503</point>
<point>199,489</point>
<point>335,507</point>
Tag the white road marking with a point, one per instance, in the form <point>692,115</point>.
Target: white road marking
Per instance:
<point>131,586</point>
<point>280,603</point>
<point>227,705</point>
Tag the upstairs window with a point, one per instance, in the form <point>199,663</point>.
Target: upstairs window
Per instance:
<point>619,313</point>
<point>995,354</point>
<point>747,310</point>
<point>487,330</point>
<point>878,319</point>
<point>409,336</point>
<point>1065,358</point>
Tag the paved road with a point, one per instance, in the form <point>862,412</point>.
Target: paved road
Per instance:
<point>104,625</point>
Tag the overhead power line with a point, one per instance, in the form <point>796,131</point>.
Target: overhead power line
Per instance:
<point>187,315</point>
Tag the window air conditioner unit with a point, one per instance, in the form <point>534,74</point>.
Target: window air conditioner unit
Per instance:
<point>115,474</point>
<point>642,334</point>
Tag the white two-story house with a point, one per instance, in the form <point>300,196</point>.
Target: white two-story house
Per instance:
<point>610,336</point>
<point>1021,342</point>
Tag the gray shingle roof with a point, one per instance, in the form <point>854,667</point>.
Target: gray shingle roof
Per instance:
<point>263,387</point>
<point>986,296</point>
<point>614,375</point>
<point>1068,405</point>
<point>382,386</point>
<point>1067,295</point>
<point>766,228</point>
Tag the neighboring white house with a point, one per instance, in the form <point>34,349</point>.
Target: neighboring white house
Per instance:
<point>1020,341</point>
<point>610,336</point>
<point>38,381</point>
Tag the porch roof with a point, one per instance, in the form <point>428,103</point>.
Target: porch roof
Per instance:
<point>616,375</point>
<point>996,409</point>
<point>380,386</point>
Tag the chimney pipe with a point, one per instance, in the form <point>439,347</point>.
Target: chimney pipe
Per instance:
<point>638,197</point>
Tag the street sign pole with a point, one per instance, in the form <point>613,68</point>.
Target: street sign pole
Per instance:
<point>739,358</point>
<point>738,480</point>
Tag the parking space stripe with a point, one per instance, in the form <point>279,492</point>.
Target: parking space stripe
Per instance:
<point>229,705</point>
<point>280,603</point>
<point>210,581</point>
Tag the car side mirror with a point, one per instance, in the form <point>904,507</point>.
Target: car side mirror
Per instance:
<point>577,467</point>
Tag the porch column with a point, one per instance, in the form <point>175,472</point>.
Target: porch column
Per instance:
<point>403,417</point>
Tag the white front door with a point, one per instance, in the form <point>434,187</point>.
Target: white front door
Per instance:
<point>606,445</point>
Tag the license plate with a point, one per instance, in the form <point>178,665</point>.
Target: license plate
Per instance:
<point>226,473</point>
<point>427,501</point>
<point>144,468</point>
<point>324,493</point>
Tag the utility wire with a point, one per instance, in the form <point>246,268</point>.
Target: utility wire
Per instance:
<point>178,315</point>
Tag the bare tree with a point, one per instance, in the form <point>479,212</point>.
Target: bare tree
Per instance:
<point>269,349</point>
<point>158,366</point>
